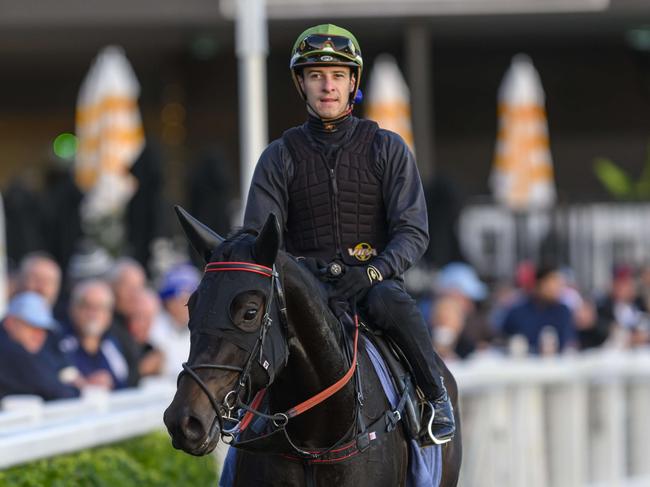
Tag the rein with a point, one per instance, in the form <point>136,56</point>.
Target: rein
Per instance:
<point>280,420</point>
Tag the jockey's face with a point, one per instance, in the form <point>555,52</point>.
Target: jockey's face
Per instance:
<point>327,89</point>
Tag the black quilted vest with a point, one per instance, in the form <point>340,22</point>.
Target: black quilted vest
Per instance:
<point>336,208</point>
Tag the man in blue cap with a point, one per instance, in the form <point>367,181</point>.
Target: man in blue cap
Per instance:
<point>170,333</point>
<point>23,370</point>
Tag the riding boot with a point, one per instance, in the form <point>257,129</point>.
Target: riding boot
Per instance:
<point>390,308</point>
<point>438,424</point>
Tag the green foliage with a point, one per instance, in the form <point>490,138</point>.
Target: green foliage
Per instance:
<point>148,461</point>
<point>619,183</point>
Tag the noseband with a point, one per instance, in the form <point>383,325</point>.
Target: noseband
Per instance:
<point>232,399</point>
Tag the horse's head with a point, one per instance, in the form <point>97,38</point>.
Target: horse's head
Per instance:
<point>237,336</point>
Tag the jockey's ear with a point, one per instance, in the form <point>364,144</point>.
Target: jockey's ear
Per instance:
<point>268,242</point>
<point>203,238</point>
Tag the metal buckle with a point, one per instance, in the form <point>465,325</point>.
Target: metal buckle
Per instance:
<point>280,420</point>
<point>228,406</point>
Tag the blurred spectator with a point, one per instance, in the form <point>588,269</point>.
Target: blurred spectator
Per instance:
<point>41,274</point>
<point>457,326</point>
<point>590,333</point>
<point>643,299</point>
<point>525,276</point>
<point>541,317</point>
<point>23,369</point>
<point>504,297</point>
<point>459,282</point>
<point>447,321</point>
<point>583,312</point>
<point>127,280</point>
<point>88,342</point>
<point>507,295</point>
<point>620,310</point>
<point>170,333</point>
<point>145,312</point>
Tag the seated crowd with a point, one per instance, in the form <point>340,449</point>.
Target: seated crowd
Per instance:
<point>113,329</point>
<point>105,331</point>
<point>541,312</point>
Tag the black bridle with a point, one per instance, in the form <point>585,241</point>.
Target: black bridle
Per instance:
<point>232,400</point>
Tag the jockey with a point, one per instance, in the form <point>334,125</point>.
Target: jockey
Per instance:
<point>348,194</point>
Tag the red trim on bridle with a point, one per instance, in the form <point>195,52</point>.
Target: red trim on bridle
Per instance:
<point>334,388</point>
<point>239,266</point>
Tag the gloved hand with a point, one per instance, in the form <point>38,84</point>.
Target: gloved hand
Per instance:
<point>355,281</point>
<point>318,267</point>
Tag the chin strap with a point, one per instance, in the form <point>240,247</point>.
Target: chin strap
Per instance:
<point>330,123</point>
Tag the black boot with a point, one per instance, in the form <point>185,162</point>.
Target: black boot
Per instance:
<point>438,423</point>
<point>391,309</point>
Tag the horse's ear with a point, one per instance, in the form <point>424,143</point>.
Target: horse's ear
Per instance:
<point>267,243</point>
<point>203,238</point>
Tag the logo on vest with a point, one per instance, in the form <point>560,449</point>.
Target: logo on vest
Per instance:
<point>362,251</point>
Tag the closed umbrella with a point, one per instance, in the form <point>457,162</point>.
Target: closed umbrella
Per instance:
<point>522,175</point>
<point>389,102</point>
<point>110,138</point>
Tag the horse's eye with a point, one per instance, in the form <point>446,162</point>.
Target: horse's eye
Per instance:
<point>250,314</point>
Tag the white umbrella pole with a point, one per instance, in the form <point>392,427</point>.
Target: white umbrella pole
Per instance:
<point>252,48</point>
<point>419,56</point>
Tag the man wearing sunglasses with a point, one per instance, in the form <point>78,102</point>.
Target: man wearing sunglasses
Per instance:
<point>349,197</point>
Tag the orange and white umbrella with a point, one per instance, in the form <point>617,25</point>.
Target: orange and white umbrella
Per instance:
<point>522,175</point>
<point>389,99</point>
<point>110,135</point>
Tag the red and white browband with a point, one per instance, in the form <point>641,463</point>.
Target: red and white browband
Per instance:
<point>239,266</point>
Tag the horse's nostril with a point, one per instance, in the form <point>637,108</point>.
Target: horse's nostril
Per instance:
<point>193,428</point>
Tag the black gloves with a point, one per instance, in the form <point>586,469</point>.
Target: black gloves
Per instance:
<point>355,281</point>
<point>317,267</point>
<point>347,282</point>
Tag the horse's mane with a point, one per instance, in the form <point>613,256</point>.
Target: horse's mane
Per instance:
<point>287,261</point>
<point>238,232</point>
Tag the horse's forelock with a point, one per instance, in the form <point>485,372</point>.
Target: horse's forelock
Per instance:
<point>229,248</point>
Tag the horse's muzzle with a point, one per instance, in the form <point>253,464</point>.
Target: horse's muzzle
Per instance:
<point>190,432</point>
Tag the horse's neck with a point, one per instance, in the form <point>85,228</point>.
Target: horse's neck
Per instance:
<point>316,360</point>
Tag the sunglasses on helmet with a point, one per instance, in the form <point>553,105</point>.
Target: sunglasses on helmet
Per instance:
<point>317,42</point>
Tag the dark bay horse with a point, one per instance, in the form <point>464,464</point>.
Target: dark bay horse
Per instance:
<point>242,341</point>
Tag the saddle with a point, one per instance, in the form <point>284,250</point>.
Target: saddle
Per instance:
<point>402,378</point>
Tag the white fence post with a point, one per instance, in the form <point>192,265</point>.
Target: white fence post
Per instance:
<point>528,456</point>
<point>567,434</point>
<point>639,425</point>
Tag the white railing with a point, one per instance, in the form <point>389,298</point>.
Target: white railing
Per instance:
<point>31,429</point>
<point>575,421</point>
